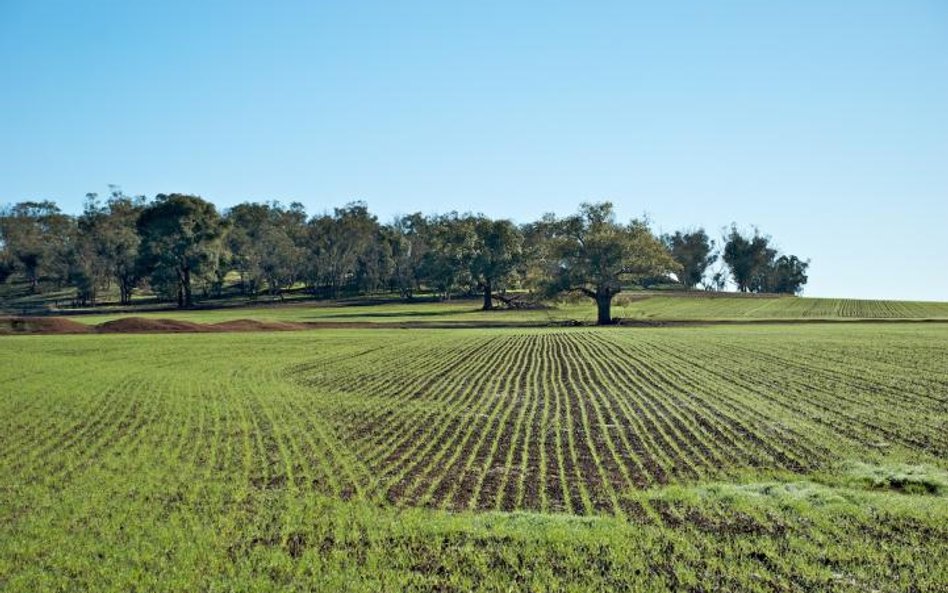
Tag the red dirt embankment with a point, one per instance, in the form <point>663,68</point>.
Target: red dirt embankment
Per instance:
<point>138,325</point>
<point>143,325</point>
<point>41,325</point>
<point>252,325</point>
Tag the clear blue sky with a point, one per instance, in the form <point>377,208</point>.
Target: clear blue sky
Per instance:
<point>824,123</point>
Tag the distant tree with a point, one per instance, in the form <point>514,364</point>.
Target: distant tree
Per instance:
<point>718,280</point>
<point>106,246</point>
<point>787,275</point>
<point>756,266</point>
<point>264,245</point>
<point>282,247</point>
<point>593,254</point>
<point>748,258</point>
<point>336,243</point>
<point>245,225</point>
<point>375,264</point>
<point>88,269</point>
<point>497,252</point>
<point>537,254</point>
<point>120,241</point>
<point>7,266</point>
<point>408,239</point>
<point>180,236</point>
<point>37,238</point>
<point>447,262</point>
<point>694,252</point>
<point>213,276</point>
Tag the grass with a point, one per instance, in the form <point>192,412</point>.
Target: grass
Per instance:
<point>753,458</point>
<point>636,306</point>
<point>775,308</point>
<point>912,479</point>
<point>660,308</point>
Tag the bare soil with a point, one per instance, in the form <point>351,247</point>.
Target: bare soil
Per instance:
<point>18,325</point>
<point>41,325</point>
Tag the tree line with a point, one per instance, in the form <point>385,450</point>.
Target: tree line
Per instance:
<point>181,248</point>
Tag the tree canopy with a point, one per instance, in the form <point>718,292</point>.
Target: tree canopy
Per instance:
<point>594,255</point>
<point>37,236</point>
<point>694,252</point>
<point>756,266</point>
<point>496,253</point>
<point>180,240</point>
<point>180,248</point>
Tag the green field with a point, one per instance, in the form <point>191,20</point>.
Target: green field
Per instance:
<point>772,308</point>
<point>630,306</point>
<point>753,458</point>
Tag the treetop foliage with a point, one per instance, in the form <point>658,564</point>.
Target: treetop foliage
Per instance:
<point>756,266</point>
<point>694,252</point>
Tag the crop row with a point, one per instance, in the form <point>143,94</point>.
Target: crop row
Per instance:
<point>700,306</point>
<point>549,420</point>
<point>568,421</point>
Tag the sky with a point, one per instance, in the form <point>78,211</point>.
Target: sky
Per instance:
<point>822,123</point>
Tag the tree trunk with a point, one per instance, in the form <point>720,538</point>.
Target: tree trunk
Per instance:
<point>186,285</point>
<point>488,303</point>
<point>604,307</point>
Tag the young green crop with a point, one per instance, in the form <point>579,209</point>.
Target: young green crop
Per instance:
<point>739,458</point>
